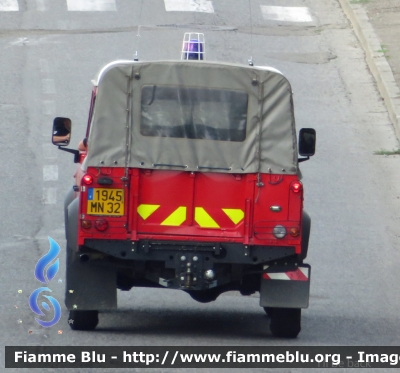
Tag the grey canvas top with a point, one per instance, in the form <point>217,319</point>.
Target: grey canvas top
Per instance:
<point>193,116</point>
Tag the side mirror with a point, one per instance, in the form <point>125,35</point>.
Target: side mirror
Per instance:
<point>61,131</point>
<point>307,140</point>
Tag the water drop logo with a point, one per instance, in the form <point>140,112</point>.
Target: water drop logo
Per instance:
<point>45,271</point>
<point>52,269</point>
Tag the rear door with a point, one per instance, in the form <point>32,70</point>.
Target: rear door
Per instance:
<point>191,203</point>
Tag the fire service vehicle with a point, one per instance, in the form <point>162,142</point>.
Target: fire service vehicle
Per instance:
<point>190,181</point>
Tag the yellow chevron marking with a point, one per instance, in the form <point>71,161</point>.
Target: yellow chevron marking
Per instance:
<point>176,218</point>
<point>236,215</point>
<point>203,219</point>
<point>146,210</point>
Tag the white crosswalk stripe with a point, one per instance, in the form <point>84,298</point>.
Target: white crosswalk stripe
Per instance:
<point>91,5</point>
<point>49,196</point>
<point>271,13</point>
<point>286,14</point>
<point>9,6</point>
<point>41,5</point>
<point>204,6</point>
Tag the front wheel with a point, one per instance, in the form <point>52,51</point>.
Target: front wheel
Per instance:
<point>83,320</point>
<point>285,322</point>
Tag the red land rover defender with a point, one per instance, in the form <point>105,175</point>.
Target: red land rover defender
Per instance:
<point>191,181</point>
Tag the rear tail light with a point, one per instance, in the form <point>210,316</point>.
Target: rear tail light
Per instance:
<point>87,179</point>
<point>296,186</point>
<point>294,232</point>
<point>86,224</point>
<point>101,225</point>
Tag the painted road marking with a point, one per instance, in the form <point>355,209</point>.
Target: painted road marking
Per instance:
<point>9,6</point>
<point>50,173</point>
<point>49,196</point>
<point>44,66</point>
<point>204,6</point>
<point>91,5</point>
<point>41,5</point>
<point>48,86</point>
<point>49,107</point>
<point>286,14</point>
<point>49,151</point>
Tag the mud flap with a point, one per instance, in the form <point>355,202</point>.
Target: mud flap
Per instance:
<point>286,289</point>
<point>88,286</point>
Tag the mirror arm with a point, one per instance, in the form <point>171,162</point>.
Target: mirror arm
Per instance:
<point>73,151</point>
<point>303,159</point>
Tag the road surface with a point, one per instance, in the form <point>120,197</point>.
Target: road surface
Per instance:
<point>50,52</point>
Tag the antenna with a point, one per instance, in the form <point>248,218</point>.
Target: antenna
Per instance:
<point>250,61</point>
<point>136,57</point>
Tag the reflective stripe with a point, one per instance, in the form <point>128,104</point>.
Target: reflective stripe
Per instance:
<point>146,210</point>
<point>176,218</point>
<point>304,270</point>
<point>276,276</point>
<point>300,274</point>
<point>203,219</point>
<point>236,215</point>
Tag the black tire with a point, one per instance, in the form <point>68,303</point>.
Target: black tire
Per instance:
<point>285,322</point>
<point>306,229</point>
<point>124,282</point>
<point>83,320</point>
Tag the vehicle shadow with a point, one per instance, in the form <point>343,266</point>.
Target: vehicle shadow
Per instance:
<point>175,314</point>
<point>186,323</point>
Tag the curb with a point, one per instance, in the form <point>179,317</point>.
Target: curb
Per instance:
<point>376,61</point>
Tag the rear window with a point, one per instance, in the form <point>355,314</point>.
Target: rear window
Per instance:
<point>193,113</point>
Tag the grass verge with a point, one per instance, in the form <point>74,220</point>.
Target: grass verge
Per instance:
<point>387,152</point>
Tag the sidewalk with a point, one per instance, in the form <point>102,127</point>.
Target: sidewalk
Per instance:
<point>377,26</point>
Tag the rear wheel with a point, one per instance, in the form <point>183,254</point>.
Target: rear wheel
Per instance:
<point>285,322</point>
<point>83,320</point>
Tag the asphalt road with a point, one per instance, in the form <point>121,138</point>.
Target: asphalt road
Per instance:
<point>49,54</point>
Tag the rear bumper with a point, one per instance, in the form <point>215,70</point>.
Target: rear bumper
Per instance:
<point>168,251</point>
<point>187,265</point>
<point>203,270</point>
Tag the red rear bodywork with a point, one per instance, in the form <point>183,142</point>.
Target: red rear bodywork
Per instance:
<point>187,206</point>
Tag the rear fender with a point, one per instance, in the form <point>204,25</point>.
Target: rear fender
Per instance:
<point>306,228</point>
